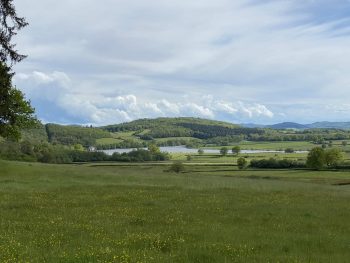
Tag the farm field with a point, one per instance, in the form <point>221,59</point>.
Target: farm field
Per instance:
<point>296,145</point>
<point>112,212</point>
<point>232,159</point>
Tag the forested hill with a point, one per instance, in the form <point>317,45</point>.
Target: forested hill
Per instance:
<point>149,129</point>
<point>142,124</point>
<point>135,133</point>
<point>192,132</point>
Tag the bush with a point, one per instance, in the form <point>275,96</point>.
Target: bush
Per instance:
<point>242,163</point>
<point>333,157</point>
<point>316,158</point>
<point>236,150</point>
<point>177,167</point>
<point>140,155</point>
<point>223,151</point>
<point>289,150</point>
<point>276,164</point>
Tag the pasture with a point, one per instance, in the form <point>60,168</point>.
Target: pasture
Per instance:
<point>142,213</point>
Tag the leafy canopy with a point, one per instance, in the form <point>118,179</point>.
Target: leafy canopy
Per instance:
<point>10,24</point>
<point>15,112</point>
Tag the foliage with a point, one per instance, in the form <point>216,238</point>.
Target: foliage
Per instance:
<point>127,143</point>
<point>70,135</point>
<point>10,24</point>
<point>289,150</point>
<point>320,157</point>
<point>273,163</point>
<point>153,148</point>
<point>333,157</point>
<point>203,131</point>
<point>177,167</point>
<point>78,147</point>
<point>15,112</point>
<point>49,153</point>
<point>160,123</point>
<point>35,134</point>
<point>149,129</point>
<point>242,163</point>
<point>316,158</point>
<point>29,151</point>
<point>177,141</point>
<point>224,151</point>
<point>200,151</point>
<point>236,150</point>
<point>165,132</point>
<point>225,140</point>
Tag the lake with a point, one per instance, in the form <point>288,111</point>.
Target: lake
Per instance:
<point>183,149</point>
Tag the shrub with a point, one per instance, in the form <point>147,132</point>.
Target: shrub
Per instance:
<point>276,164</point>
<point>333,157</point>
<point>177,167</point>
<point>242,163</point>
<point>236,150</point>
<point>316,158</point>
<point>223,151</point>
<point>289,150</point>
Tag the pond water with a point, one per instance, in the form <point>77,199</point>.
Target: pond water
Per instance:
<point>183,149</point>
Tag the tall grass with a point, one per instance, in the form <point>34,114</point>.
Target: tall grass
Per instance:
<point>82,213</point>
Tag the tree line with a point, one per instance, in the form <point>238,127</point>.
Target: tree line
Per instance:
<point>49,153</point>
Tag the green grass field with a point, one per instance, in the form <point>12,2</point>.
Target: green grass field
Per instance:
<point>176,138</point>
<point>296,145</point>
<point>141,213</point>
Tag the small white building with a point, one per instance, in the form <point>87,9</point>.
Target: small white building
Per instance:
<point>92,149</point>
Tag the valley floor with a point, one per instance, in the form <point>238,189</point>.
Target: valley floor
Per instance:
<point>142,213</point>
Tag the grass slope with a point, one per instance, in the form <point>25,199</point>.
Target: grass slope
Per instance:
<point>103,213</point>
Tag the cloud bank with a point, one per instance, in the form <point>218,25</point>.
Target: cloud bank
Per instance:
<point>262,61</point>
<point>55,88</point>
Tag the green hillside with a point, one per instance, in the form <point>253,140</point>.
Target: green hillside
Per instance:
<point>168,122</point>
<point>192,132</point>
<point>69,135</point>
<point>149,129</point>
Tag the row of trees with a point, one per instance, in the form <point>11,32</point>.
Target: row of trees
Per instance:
<point>235,150</point>
<point>128,143</point>
<point>273,163</point>
<point>49,153</point>
<point>318,158</point>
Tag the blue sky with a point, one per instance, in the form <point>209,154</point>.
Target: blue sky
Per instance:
<point>238,61</point>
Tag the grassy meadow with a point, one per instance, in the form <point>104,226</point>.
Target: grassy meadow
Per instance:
<point>142,213</point>
<point>282,145</point>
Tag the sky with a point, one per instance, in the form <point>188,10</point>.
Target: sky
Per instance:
<point>242,61</point>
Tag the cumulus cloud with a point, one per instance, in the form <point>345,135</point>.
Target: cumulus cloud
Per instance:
<point>102,109</point>
<point>255,57</point>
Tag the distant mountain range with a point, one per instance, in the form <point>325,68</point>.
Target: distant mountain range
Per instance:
<point>294,125</point>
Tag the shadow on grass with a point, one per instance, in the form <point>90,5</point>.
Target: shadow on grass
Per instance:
<point>209,171</point>
<point>342,183</point>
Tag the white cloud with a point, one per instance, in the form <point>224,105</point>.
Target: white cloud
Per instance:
<point>259,52</point>
<point>101,109</point>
